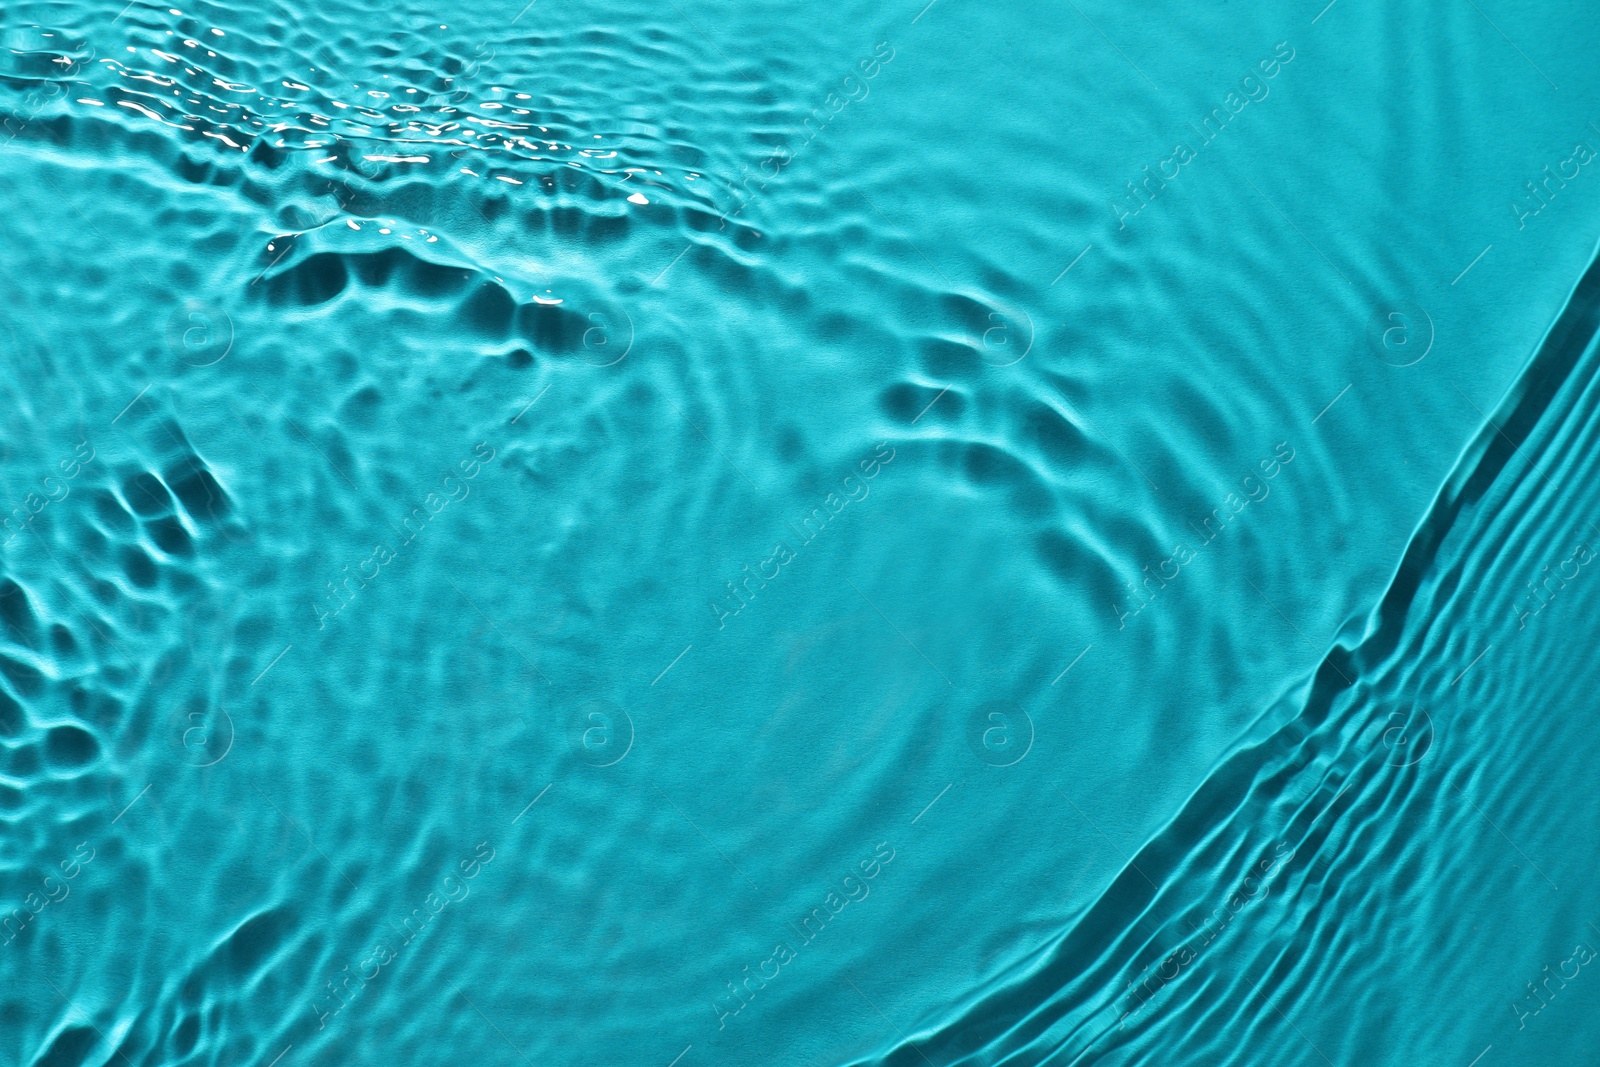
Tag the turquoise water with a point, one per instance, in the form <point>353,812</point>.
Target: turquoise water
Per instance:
<point>935,534</point>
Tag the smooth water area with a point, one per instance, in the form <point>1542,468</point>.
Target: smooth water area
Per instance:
<point>962,534</point>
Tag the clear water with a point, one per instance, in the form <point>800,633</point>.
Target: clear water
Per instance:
<point>950,533</point>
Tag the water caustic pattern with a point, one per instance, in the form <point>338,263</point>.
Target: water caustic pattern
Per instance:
<point>1353,802</point>
<point>951,534</point>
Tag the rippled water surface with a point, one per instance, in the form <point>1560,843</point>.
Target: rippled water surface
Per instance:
<point>944,533</point>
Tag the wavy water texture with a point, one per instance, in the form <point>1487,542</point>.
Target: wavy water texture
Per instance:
<point>1268,887</point>
<point>602,533</point>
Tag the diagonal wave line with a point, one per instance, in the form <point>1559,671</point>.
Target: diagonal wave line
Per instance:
<point>87,1017</point>
<point>1515,447</point>
<point>1118,849</point>
<point>886,1019</point>
<point>1297,630</point>
<point>1469,666</point>
<point>1502,833</point>
<point>1312,794</point>
<point>1111,444</point>
<point>1286,1019</point>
